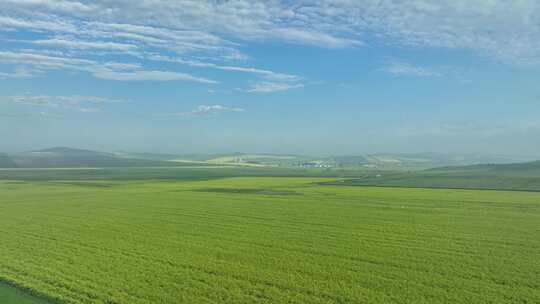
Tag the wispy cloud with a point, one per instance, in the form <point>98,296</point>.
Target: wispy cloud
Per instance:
<point>399,68</point>
<point>140,75</point>
<point>49,115</point>
<point>270,87</point>
<point>210,26</point>
<point>108,70</point>
<point>30,23</point>
<point>20,73</point>
<point>14,115</point>
<point>196,63</point>
<point>40,114</point>
<point>84,104</point>
<point>206,110</point>
<point>212,34</point>
<point>56,101</point>
<point>79,44</point>
<point>45,61</point>
<point>90,110</point>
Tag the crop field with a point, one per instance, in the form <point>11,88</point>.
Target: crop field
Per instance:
<point>266,240</point>
<point>520,177</point>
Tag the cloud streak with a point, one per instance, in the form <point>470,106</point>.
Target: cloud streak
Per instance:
<point>84,104</point>
<point>140,75</point>
<point>398,68</point>
<point>213,34</point>
<point>271,87</point>
<point>77,44</point>
<point>210,26</point>
<point>207,110</point>
<point>108,70</point>
<point>61,100</point>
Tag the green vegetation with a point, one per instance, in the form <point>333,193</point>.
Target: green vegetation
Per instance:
<point>520,177</point>
<point>266,240</point>
<point>523,177</point>
<point>168,173</point>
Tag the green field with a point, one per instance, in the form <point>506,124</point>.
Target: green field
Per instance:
<point>267,240</point>
<point>164,173</point>
<point>520,177</point>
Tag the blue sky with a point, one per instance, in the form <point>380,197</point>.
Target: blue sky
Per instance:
<point>312,77</point>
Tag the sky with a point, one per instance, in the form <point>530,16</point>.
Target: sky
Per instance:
<point>305,77</point>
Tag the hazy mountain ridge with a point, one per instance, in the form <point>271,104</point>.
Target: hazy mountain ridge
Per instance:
<point>531,165</point>
<point>70,157</point>
<point>6,161</point>
<point>59,157</point>
<point>390,161</point>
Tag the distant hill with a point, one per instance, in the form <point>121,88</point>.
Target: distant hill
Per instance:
<point>6,161</point>
<point>502,168</point>
<point>60,157</point>
<point>237,158</point>
<point>148,156</point>
<point>349,161</point>
<point>518,176</point>
<point>70,157</point>
<point>384,161</point>
<point>410,161</point>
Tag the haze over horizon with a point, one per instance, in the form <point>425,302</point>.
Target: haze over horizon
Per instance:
<point>302,77</point>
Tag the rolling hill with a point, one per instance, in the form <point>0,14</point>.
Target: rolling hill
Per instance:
<point>62,157</point>
<point>6,161</point>
<point>69,157</point>
<point>384,161</point>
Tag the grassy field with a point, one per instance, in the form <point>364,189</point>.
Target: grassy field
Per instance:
<point>170,173</point>
<point>520,177</point>
<point>267,240</point>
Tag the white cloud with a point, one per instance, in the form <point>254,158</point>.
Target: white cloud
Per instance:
<point>407,69</point>
<point>506,30</point>
<point>270,87</point>
<point>19,73</point>
<point>121,66</point>
<point>78,99</point>
<point>140,75</point>
<point>400,68</point>
<point>196,63</point>
<point>188,31</point>
<point>49,115</point>
<point>44,61</point>
<point>64,6</point>
<point>108,70</point>
<point>206,110</point>
<point>90,110</point>
<point>32,100</point>
<point>8,23</point>
<point>321,39</point>
<point>14,115</point>
<point>77,44</point>
<point>85,104</point>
